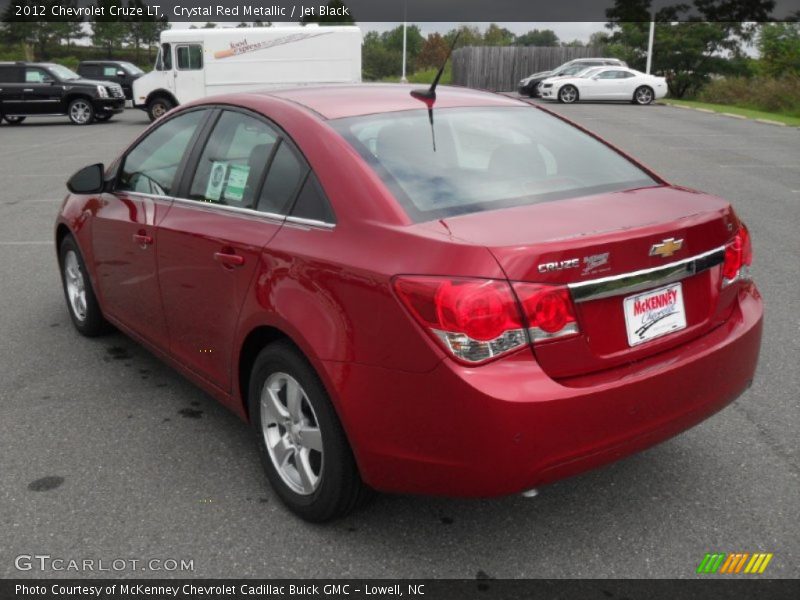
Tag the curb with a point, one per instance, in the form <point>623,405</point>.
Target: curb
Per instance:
<point>725,114</point>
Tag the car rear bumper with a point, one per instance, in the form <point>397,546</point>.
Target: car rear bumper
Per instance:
<point>506,427</point>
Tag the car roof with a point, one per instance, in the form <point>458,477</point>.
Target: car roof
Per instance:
<point>340,101</point>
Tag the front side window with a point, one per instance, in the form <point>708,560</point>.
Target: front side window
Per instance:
<point>233,161</point>
<point>190,58</point>
<point>151,166</point>
<point>164,59</point>
<point>63,73</point>
<point>110,71</point>
<point>36,76</point>
<point>485,159</point>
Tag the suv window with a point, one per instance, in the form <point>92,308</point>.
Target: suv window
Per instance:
<point>190,58</point>
<point>286,172</point>
<point>233,161</point>
<point>151,166</point>
<point>10,74</point>
<point>36,75</point>
<point>110,71</point>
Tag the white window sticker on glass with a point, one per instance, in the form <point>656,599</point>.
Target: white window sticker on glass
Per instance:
<point>237,180</point>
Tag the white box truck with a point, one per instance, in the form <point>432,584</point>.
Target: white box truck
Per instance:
<point>194,63</point>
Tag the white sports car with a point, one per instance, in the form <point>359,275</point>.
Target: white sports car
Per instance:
<point>605,83</point>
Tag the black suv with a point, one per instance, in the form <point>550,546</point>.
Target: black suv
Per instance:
<point>529,85</point>
<point>43,89</point>
<point>117,71</point>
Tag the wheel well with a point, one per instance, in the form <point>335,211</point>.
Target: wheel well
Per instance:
<point>255,341</point>
<point>161,94</point>
<point>72,97</point>
<point>62,231</point>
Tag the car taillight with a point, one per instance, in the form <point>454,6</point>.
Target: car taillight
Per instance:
<point>548,309</point>
<point>738,257</point>
<point>479,319</point>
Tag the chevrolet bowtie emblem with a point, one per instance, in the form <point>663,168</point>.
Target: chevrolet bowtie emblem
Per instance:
<point>666,248</point>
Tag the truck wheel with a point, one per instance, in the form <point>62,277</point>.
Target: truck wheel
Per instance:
<point>158,107</point>
<point>80,111</point>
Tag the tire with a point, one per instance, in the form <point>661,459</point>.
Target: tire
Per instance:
<point>568,94</point>
<point>103,117</point>
<point>643,95</point>
<point>13,120</point>
<point>81,301</point>
<point>316,477</point>
<point>80,111</point>
<point>158,107</point>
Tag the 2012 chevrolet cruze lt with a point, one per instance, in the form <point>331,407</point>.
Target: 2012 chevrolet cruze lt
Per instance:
<point>467,296</point>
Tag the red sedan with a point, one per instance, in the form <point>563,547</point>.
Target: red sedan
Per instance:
<point>463,296</point>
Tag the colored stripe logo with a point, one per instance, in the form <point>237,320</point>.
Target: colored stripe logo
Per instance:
<point>735,562</point>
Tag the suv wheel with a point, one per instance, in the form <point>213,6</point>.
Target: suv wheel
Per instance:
<point>80,111</point>
<point>158,107</point>
<point>13,120</point>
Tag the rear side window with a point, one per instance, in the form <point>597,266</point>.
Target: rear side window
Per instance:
<point>10,74</point>
<point>190,58</point>
<point>151,166</point>
<point>286,172</point>
<point>485,159</point>
<point>311,202</point>
<point>233,161</point>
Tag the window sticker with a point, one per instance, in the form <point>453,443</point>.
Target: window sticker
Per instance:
<point>237,180</point>
<point>215,181</point>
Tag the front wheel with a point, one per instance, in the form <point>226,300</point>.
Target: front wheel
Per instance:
<point>81,301</point>
<point>158,107</point>
<point>568,94</point>
<point>303,448</point>
<point>13,120</point>
<point>643,95</point>
<point>80,111</point>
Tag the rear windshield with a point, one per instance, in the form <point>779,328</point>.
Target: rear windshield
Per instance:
<point>484,159</point>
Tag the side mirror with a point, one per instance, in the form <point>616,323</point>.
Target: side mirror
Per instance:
<point>89,180</point>
<point>120,73</point>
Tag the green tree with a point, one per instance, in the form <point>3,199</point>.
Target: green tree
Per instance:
<point>469,35</point>
<point>538,37</point>
<point>379,61</point>
<point>779,47</point>
<point>691,42</point>
<point>498,36</point>
<point>108,32</point>
<point>36,38</point>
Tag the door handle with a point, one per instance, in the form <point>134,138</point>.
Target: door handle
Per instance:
<point>28,90</point>
<point>228,259</point>
<point>142,239</point>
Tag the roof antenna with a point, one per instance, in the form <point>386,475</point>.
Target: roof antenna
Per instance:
<point>429,96</point>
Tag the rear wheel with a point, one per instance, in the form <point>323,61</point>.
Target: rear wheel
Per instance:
<point>81,301</point>
<point>643,95</point>
<point>568,94</point>
<point>303,447</point>
<point>13,120</point>
<point>158,107</point>
<point>80,111</point>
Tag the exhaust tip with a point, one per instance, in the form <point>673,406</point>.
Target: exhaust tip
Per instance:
<point>531,493</point>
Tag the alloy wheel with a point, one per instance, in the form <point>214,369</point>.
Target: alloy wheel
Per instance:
<point>644,95</point>
<point>568,95</point>
<point>80,112</point>
<point>76,289</point>
<point>291,433</point>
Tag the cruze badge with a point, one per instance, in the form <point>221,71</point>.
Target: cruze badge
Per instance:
<point>572,263</point>
<point>666,248</point>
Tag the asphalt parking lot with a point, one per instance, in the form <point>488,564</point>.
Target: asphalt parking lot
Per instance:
<point>144,465</point>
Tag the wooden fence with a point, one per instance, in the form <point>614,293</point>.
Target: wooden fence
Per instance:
<point>499,68</point>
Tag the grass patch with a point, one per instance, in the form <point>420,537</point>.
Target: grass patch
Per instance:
<point>736,110</point>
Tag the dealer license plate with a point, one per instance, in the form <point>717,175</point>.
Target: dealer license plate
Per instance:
<point>654,313</point>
